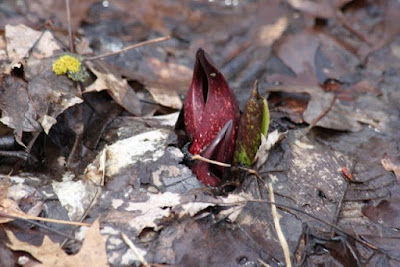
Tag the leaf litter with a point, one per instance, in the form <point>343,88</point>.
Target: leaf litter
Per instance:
<point>131,170</point>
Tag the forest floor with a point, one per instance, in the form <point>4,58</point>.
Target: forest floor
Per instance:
<point>101,151</point>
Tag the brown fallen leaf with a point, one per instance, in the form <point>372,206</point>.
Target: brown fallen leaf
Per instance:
<point>92,253</point>
<point>117,87</point>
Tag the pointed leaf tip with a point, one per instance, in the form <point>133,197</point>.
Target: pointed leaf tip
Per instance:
<point>253,122</point>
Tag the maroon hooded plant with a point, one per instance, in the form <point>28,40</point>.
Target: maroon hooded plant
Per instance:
<point>209,106</point>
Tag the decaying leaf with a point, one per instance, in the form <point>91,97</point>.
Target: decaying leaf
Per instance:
<point>92,252</point>
<point>117,87</point>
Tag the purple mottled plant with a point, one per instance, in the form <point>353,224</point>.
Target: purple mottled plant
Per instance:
<point>211,116</point>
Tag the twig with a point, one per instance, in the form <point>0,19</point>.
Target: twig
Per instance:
<point>278,229</point>
<point>198,157</point>
<point>157,40</point>
<point>29,217</point>
<point>71,43</point>
<point>135,251</point>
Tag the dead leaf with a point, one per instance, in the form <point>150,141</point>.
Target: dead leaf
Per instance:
<point>266,144</point>
<point>391,163</point>
<point>339,117</point>
<point>21,39</point>
<point>92,253</point>
<point>117,87</point>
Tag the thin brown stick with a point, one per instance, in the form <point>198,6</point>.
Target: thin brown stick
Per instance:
<point>3,213</point>
<point>71,43</point>
<point>153,41</point>
<point>198,157</point>
<point>278,229</point>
